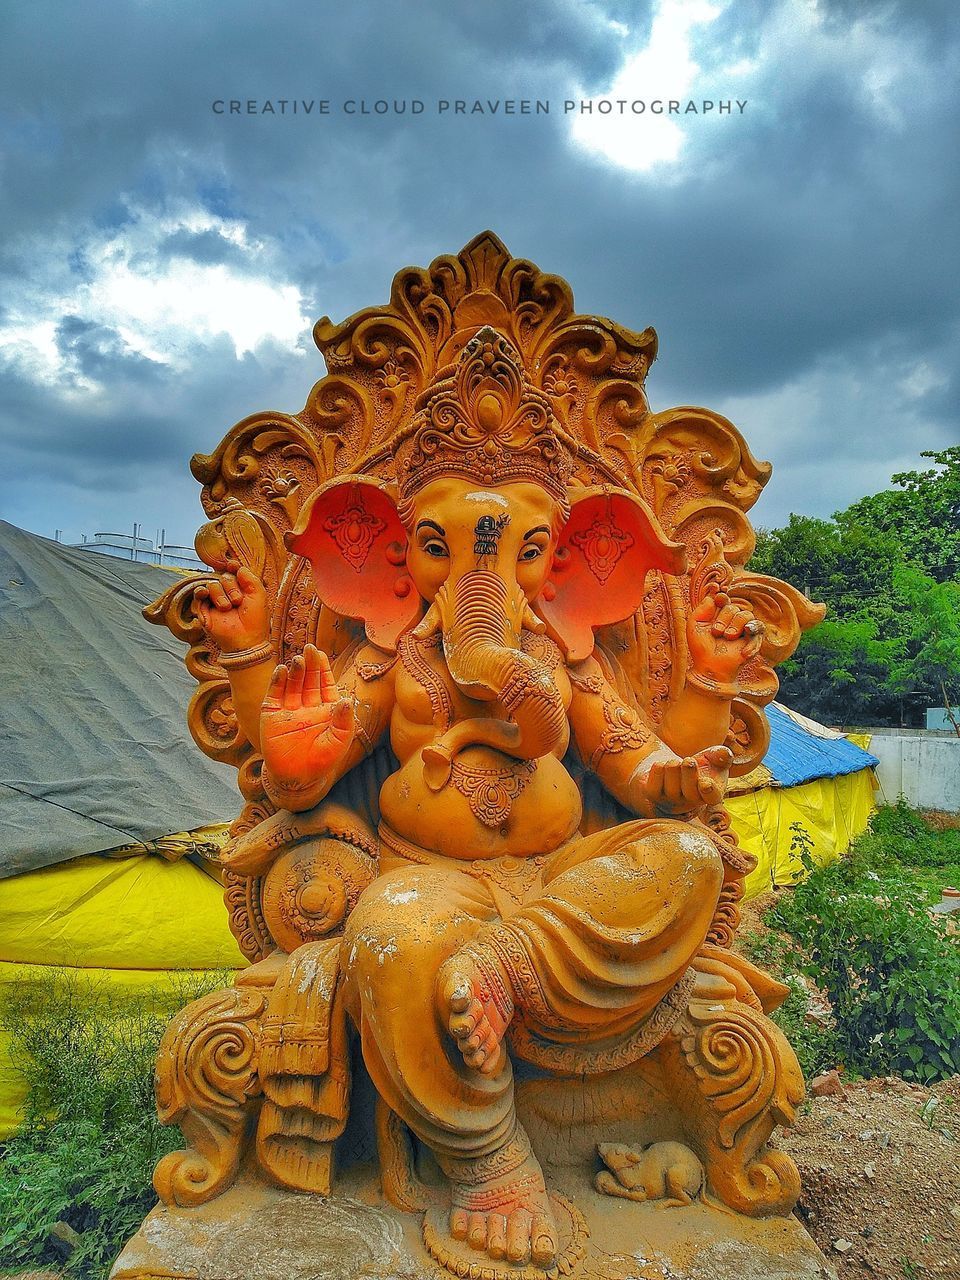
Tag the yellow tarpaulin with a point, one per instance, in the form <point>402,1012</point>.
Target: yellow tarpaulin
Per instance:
<point>129,925</point>
<point>833,812</point>
<point>100,913</point>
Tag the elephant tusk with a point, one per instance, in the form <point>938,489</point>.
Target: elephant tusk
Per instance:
<point>532,622</point>
<point>429,624</point>
<point>437,765</point>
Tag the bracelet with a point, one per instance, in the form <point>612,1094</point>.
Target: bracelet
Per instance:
<point>247,657</point>
<point>714,688</point>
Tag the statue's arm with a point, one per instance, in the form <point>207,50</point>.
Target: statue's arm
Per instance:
<point>722,636</point>
<point>234,611</point>
<point>639,769</point>
<point>314,729</point>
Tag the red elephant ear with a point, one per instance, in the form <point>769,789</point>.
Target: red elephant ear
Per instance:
<point>600,566</point>
<point>351,533</point>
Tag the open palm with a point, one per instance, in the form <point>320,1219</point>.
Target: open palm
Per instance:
<point>306,725</point>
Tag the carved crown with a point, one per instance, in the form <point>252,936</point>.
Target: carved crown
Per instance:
<point>482,419</point>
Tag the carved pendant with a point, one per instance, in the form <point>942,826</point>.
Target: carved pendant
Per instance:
<point>491,792</point>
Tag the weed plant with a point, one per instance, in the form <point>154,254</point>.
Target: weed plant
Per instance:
<point>86,1153</point>
<point>890,969</point>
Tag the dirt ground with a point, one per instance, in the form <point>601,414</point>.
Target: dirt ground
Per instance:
<point>880,1167</point>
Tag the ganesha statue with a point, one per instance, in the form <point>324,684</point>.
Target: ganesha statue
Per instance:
<point>478,635</point>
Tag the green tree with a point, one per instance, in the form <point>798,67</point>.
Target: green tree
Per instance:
<point>888,568</point>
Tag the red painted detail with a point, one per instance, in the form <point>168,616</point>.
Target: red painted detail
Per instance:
<point>354,530</point>
<point>357,575</point>
<point>610,541</point>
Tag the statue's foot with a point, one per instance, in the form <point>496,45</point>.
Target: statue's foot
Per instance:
<point>509,1217</point>
<point>477,1003</point>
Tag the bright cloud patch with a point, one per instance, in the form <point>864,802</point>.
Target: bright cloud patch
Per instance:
<point>663,69</point>
<point>151,289</point>
<point>882,71</point>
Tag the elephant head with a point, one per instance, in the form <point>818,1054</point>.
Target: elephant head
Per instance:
<point>483,538</point>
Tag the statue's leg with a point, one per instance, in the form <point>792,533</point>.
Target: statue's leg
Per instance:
<point>621,917</point>
<point>403,929</point>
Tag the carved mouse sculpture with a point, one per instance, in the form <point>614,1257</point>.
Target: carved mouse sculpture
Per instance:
<point>667,1172</point>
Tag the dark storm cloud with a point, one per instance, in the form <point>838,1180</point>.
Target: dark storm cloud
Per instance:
<point>794,261</point>
<point>201,246</point>
<point>97,351</point>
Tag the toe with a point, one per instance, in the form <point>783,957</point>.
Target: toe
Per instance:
<point>543,1241</point>
<point>459,1222</point>
<point>473,1042</point>
<point>518,1235</point>
<point>464,1024</point>
<point>477,1231</point>
<point>496,1235</point>
<point>492,1063</point>
<point>459,995</point>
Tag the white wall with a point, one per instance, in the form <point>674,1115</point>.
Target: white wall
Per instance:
<point>922,765</point>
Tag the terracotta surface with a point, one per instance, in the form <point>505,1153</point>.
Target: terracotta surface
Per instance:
<point>257,1232</point>
<point>481,644</point>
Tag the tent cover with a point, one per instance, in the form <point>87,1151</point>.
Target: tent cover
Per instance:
<point>95,751</point>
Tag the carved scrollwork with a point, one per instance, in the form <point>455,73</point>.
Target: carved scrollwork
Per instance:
<point>205,1078</point>
<point>173,609</point>
<point>242,897</point>
<point>746,1079</point>
<point>237,460</point>
<point>213,723</point>
<point>726,918</point>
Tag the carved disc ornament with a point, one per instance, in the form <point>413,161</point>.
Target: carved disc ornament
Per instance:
<point>480,366</point>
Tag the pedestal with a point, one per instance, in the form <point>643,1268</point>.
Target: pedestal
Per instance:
<point>258,1232</point>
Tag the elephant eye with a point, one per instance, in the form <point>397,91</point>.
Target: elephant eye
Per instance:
<point>531,552</point>
<point>436,549</point>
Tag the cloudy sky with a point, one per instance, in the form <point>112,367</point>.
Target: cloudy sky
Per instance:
<point>161,264</point>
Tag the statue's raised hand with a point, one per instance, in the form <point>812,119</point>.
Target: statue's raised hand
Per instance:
<point>723,635</point>
<point>233,610</point>
<point>306,725</point>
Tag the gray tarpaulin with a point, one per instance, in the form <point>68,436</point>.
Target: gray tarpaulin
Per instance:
<point>95,751</point>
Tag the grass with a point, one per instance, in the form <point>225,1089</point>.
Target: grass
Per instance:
<point>86,1154</point>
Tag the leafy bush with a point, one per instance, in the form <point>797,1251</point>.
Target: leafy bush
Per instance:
<point>813,1041</point>
<point>903,834</point>
<point>91,1139</point>
<point>890,970</point>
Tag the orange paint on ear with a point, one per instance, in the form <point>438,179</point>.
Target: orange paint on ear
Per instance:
<point>600,565</point>
<point>353,537</point>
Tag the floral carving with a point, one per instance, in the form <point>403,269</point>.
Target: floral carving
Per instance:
<point>603,545</point>
<point>354,530</point>
<point>282,487</point>
<point>491,792</point>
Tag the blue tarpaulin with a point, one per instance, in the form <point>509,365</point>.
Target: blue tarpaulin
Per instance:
<point>797,755</point>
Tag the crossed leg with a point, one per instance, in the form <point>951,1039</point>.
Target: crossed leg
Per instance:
<point>433,976</point>
<point>436,1058</point>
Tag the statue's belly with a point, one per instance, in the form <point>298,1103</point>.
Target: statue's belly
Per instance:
<point>492,805</point>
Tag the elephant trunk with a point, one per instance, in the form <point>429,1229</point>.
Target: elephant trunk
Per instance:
<point>482,648</point>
